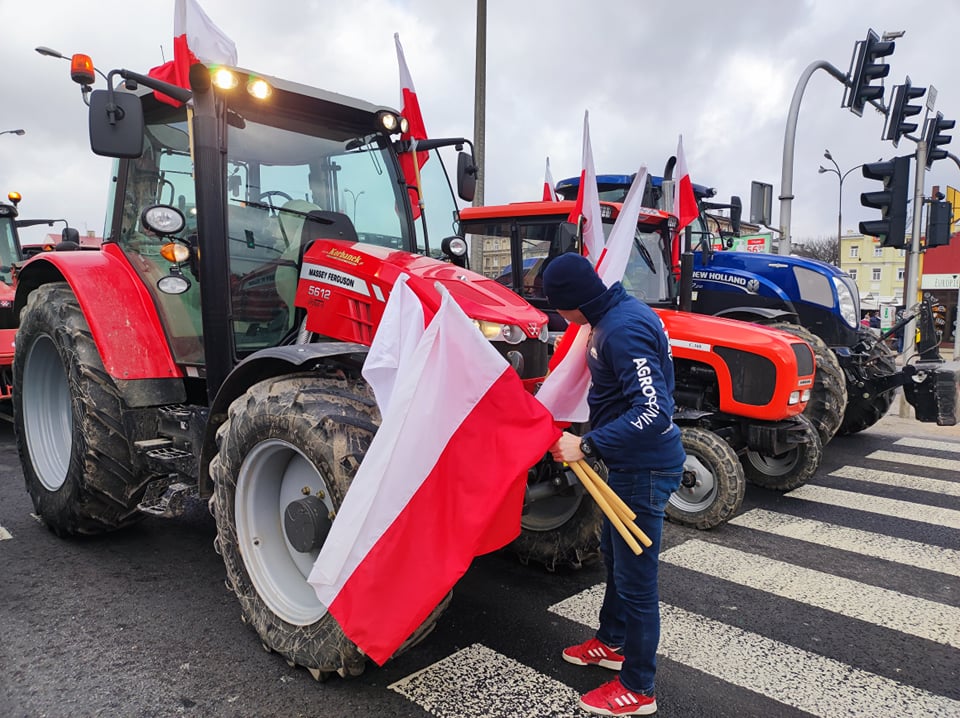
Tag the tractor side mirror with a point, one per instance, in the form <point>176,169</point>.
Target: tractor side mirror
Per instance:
<point>567,236</point>
<point>467,173</point>
<point>736,214</point>
<point>116,124</point>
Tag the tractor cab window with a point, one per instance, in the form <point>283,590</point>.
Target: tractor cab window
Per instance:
<point>439,217</point>
<point>163,174</point>
<point>647,276</point>
<point>8,249</point>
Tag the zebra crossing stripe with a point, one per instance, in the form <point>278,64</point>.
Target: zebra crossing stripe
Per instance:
<point>916,443</point>
<point>478,681</point>
<point>930,462</point>
<point>935,515</point>
<point>4,534</point>
<point>903,481</point>
<point>880,606</point>
<point>772,668</point>
<point>866,543</point>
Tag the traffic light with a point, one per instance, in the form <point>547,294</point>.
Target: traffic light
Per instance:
<point>866,66</point>
<point>901,110</point>
<point>891,201</point>
<point>938,223</point>
<point>934,137</point>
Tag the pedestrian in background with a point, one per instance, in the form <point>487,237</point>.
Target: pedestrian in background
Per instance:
<point>632,432</point>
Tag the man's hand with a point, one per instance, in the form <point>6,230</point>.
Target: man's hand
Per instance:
<point>567,448</point>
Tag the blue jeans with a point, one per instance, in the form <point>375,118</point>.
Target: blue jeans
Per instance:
<point>630,614</point>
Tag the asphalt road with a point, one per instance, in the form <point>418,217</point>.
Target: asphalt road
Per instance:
<point>842,598</point>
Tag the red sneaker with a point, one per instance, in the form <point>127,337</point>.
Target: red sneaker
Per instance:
<point>612,699</point>
<point>593,653</point>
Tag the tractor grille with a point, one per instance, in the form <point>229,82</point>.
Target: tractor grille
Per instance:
<point>533,352</point>
<point>804,359</point>
<point>754,377</point>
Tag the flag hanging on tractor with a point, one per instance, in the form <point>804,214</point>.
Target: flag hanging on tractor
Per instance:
<point>195,39</point>
<point>442,482</point>
<point>411,162</point>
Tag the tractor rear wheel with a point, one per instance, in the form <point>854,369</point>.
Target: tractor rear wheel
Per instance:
<point>789,470</point>
<point>286,438</point>
<point>77,459</point>
<point>865,411</point>
<point>713,483</point>
<point>828,397</point>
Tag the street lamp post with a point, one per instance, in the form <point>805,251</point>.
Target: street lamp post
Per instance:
<point>13,132</point>
<point>841,176</point>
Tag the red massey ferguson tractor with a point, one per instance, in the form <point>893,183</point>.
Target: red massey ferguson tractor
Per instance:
<point>740,388</point>
<point>212,346</point>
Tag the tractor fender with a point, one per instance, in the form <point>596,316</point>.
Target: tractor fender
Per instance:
<point>760,315</point>
<point>116,304</point>
<point>264,364</point>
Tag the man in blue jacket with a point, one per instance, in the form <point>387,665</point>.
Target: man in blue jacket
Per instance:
<point>632,432</point>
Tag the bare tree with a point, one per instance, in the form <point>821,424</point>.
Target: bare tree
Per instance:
<point>826,249</point>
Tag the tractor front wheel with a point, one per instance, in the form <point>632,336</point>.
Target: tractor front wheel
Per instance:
<point>713,483</point>
<point>285,439</point>
<point>828,396</point>
<point>77,459</point>
<point>790,469</point>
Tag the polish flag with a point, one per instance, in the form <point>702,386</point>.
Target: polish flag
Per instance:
<point>564,391</point>
<point>549,193</point>
<point>416,130</point>
<point>390,349</point>
<point>442,482</point>
<point>588,199</point>
<point>684,201</point>
<point>195,39</point>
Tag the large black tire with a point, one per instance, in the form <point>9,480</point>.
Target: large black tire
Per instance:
<point>865,411</point>
<point>78,462</point>
<point>789,470</point>
<point>713,482</point>
<point>561,531</point>
<point>828,398</point>
<point>282,435</point>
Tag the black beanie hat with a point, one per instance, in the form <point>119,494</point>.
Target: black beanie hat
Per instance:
<point>570,281</point>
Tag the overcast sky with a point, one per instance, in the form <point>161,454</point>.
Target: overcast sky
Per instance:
<point>720,73</point>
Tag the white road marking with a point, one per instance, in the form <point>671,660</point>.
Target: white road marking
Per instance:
<point>4,534</point>
<point>903,481</point>
<point>478,681</point>
<point>806,681</point>
<point>948,518</point>
<point>931,462</point>
<point>919,617</point>
<point>866,543</point>
<point>916,443</point>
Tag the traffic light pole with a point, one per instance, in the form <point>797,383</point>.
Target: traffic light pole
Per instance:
<point>912,268</point>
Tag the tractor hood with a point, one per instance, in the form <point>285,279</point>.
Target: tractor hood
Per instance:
<point>349,282</point>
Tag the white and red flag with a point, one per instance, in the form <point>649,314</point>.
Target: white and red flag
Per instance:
<point>564,391</point>
<point>549,193</point>
<point>684,201</point>
<point>195,39</point>
<point>588,199</point>
<point>410,109</point>
<point>442,482</point>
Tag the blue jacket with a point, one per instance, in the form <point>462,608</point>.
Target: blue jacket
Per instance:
<point>631,395</point>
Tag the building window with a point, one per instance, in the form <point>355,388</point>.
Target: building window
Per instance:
<point>903,253</point>
<point>853,274</point>
<point>876,273</point>
<point>878,251</point>
<point>899,274</point>
<point>854,250</point>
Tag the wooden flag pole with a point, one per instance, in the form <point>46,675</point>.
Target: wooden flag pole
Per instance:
<point>604,505</point>
<point>618,504</point>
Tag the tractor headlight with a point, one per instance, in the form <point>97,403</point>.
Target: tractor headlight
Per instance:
<point>225,79</point>
<point>544,333</point>
<point>494,332</point>
<point>805,396</point>
<point>848,303</point>
<point>258,88</point>
<point>163,219</point>
<point>794,398</point>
